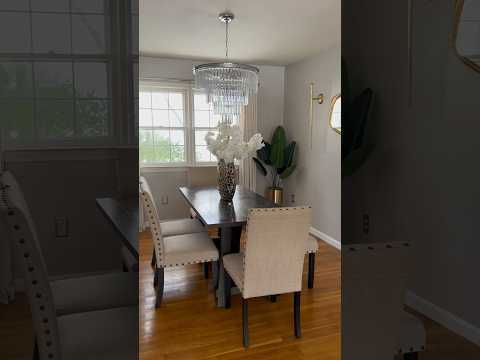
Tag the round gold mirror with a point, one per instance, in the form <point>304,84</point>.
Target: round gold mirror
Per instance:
<point>466,32</point>
<point>336,113</point>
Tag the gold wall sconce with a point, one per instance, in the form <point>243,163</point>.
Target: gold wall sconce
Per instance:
<point>319,100</point>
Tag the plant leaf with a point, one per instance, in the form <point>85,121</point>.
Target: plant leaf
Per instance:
<point>356,159</point>
<point>287,172</point>
<point>277,152</point>
<point>289,154</point>
<point>264,153</point>
<point>260,166</point>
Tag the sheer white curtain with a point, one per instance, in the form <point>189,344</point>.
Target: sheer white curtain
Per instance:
<point>248,122</point>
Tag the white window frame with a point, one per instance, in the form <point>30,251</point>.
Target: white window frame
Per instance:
<point>189,126</point>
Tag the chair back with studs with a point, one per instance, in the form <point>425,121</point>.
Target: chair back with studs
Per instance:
<point>14,209</point>
<point>275,250</point>
<point>151,214</point>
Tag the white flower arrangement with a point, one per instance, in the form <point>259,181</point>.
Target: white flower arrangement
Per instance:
<point>227,144</point>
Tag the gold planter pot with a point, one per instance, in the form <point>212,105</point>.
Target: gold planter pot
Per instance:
<point>275,195</point>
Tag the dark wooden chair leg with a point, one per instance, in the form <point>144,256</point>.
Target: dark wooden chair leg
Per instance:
<point>153,262</point>
<point>155,278</point>
<point>410,356</point>
<point>215,274</point>
<point>160,285</point>
<point>36,354</point>
<point>273,298</point>
<point>311,270</point>
<point>296,314</point>
<point>205,270</point>
<point>246,340</point>
<point>228,291</point>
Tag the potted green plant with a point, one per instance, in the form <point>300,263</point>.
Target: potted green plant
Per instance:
<point>278,156</point>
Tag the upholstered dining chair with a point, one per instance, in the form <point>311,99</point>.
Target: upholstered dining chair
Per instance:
<point>176,250</point>
<point>174,227</point>
<point>272,262</point>
<point>101,334</point>
<point>77,294</point>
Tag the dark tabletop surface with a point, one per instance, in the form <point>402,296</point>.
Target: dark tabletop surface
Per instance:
<point>205,201</point>
<point>123,214</point>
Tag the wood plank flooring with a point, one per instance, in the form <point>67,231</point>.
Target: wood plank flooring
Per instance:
<point>190,326</point>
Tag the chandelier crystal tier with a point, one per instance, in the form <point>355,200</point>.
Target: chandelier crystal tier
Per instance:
<point>227,85</point>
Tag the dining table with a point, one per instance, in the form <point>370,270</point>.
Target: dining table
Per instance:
<point>229,217</point>
<point>123,214</point>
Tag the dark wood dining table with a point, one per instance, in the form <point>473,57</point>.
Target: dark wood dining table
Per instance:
<point>123,215</point>
<point>228,217</point>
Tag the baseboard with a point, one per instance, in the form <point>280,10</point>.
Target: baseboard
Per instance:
<point>443,317</point>
<point>326,238</point>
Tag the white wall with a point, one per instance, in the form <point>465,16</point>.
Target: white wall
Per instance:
<point>164,182</point>
<point>316,181</point>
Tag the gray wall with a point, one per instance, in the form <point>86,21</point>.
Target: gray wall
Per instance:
<point>445,122</point>
<point>424,167</point>
<point>317,179</point>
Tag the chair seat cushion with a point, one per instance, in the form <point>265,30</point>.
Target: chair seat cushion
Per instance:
<point>180,227</point>
<point>412,334</point>
<point>90,293</point>
<point>189,249</point>
<point>233,264</point>
<point>312,245</point>
<point>100,335</point>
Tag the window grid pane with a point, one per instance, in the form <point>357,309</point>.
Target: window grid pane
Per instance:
<point>204,120</point>
<point>162,126</point>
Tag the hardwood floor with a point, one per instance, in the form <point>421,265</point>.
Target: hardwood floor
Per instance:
<point>190,326</point>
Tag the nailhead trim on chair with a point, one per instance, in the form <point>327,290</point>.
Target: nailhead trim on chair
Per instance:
<point>158,240</point>
<point>4,204</point>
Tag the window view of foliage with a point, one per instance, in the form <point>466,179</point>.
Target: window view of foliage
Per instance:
<point>61,113</point>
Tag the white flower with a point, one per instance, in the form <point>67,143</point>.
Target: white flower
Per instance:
<point>227,143</point>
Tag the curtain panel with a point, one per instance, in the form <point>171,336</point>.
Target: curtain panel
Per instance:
<point>248,123</point>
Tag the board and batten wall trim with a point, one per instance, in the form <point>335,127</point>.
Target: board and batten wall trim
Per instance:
<point>326,238</point>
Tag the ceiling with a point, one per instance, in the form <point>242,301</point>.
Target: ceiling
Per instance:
<point>277,32</point>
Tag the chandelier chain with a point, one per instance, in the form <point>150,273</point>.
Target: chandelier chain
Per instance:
<point>226,39</point>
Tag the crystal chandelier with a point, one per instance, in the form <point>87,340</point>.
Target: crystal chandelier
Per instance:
<point>227,85</point>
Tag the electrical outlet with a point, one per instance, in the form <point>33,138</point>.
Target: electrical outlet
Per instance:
<point>164,199</point>
<point>366,224</point>
<point>61,227</point>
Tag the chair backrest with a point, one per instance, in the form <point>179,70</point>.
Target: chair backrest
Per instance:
<point>151,214</point>
<point>275,250</point>
<point>374,277</point>
<point>14,209</point>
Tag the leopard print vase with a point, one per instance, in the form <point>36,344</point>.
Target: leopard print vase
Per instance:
<point>226,180</point>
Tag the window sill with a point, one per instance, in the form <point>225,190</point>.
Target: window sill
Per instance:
<point>173,167</point>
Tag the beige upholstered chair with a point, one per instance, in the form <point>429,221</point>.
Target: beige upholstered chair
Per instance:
<point>374,322</point>
<point>272,262</point>
<point>78,294</point>
<point>174,250</point>
<point>104,334</point>
<point>174,227</point>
